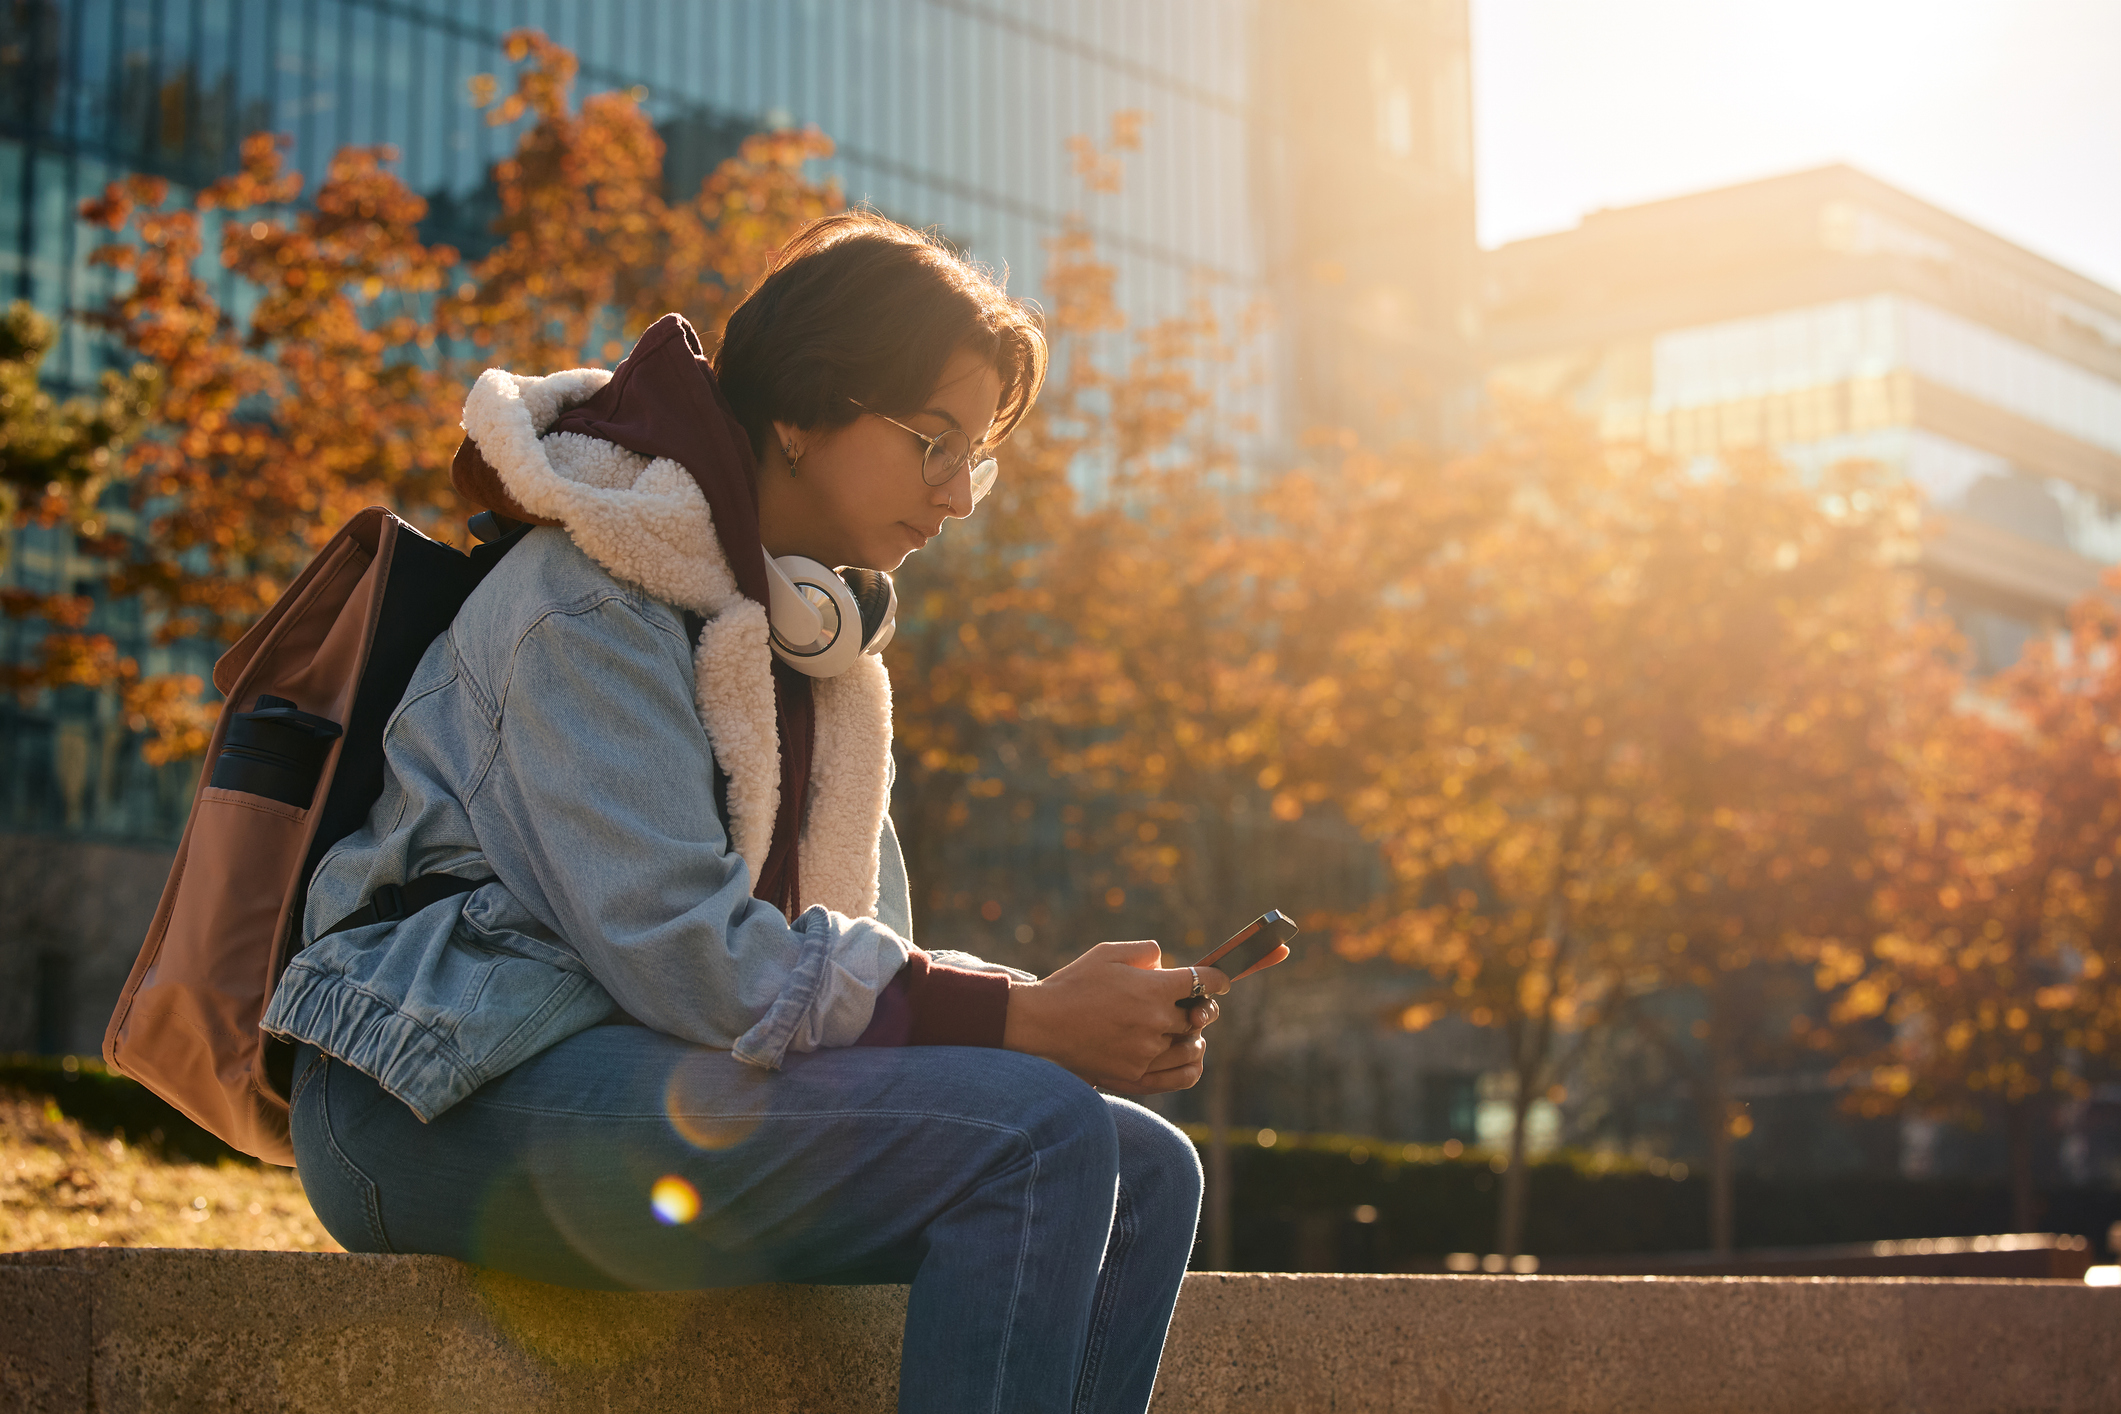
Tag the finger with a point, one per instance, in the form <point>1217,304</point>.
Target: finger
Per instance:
<point>1141,953</point>
<point>1189,1050</point>
<point>1179,981</point>
<point>1199,1014</point>
<point>1177,1077</point>
<point>1280,954</point>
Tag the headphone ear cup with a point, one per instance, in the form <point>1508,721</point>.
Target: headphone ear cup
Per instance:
<point>834,617</point>
<point>877,598</point>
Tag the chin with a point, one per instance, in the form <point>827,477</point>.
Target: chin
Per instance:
<point>888,554</point>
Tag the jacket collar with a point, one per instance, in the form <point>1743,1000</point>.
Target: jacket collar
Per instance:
<point>647,522</point>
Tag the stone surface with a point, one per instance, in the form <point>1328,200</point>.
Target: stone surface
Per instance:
<point>1251,1344</point>
<point>309,1333</point>
<point>45,1345</point>
<point>127,1332</point>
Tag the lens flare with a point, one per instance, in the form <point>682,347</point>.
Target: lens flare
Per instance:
<point>674,1200</point>
<point>700,1104</point>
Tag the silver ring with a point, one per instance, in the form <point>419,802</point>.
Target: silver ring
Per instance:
<point>1196,995</point>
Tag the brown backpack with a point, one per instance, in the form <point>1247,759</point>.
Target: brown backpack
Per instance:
<point>295,763</point>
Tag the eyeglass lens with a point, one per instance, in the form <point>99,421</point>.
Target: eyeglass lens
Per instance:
<point>944,456</point>
<point>947,455</point>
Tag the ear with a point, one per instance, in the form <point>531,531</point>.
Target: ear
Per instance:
<point>788,444</point>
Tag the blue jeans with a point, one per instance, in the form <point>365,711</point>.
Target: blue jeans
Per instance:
<point>1044,1227</point>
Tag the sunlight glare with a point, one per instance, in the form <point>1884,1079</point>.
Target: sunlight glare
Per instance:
<point>674,1200</point>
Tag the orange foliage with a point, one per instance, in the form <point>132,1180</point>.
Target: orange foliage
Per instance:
<point>1998,939</point>
<point>343,386</point>
<point>1626,729</point>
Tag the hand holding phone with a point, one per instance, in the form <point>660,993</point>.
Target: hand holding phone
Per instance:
<point>1249,948</point>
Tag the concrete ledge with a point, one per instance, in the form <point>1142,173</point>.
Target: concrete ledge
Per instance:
<point>134,1331</point>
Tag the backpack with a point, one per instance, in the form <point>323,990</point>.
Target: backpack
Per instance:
<point>294,765</point>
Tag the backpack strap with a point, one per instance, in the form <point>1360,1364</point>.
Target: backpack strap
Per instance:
<point>394,902</point>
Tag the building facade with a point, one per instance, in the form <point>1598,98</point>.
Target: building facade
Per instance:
<point>1827,315</point>
<point>1364,176</point>
<point>952,114</point>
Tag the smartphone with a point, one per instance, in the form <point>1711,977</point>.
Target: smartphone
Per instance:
<point>1249,944</point>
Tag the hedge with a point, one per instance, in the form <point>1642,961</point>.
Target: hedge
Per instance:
<point>1347,1204</point>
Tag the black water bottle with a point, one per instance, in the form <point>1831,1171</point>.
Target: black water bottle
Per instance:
<point>276,750</point>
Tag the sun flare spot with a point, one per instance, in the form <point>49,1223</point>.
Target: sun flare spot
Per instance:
<point>674,1200</point>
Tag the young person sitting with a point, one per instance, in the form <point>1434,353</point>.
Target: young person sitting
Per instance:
<point>680,1036</point>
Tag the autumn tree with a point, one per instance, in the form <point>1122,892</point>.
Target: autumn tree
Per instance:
<point>1995,959</point>
<point>1626,738</point>
<point>57,459</point>
<point>342,387</point>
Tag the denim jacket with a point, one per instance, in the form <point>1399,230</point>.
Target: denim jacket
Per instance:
<point>553,739</point>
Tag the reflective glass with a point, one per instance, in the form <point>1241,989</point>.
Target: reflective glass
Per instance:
<point>1978,361</point>
<point>1981,485</point>
<point>1867,338</point>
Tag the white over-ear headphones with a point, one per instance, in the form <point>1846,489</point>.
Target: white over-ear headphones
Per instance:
<point>824,620</point>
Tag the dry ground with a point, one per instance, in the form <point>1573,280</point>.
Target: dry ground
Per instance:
<point>64,1186</point>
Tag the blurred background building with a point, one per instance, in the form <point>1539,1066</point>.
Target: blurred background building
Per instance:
<point>1827,315</point>
<point>1363,155</point>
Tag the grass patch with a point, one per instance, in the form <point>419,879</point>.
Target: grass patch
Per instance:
<point>65,1184</point>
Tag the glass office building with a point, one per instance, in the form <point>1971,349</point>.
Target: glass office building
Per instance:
<point>945,113</point>
<point>1827,315</point>
<point>1777,360</point>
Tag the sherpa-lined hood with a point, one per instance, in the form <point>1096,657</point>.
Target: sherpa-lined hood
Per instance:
<point>646,521</point>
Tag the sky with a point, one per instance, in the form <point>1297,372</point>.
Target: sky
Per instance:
<point>2004,112</point>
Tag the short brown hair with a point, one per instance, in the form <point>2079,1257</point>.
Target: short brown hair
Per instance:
<point>860,309</point>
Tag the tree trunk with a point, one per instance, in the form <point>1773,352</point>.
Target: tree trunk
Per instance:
<point>1722,1204</point>
<point>2022,1127</point>
<point>1722,1072</point>
<point>1219,1166</point>
<point>1509,1235</point>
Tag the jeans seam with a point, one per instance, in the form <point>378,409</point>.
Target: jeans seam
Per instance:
<point>371,1195</point>
<point>294,1092</point>
<point>1117,1248</point>
<point>1016,1288</point>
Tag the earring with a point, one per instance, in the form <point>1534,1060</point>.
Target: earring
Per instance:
<point>788,450</point>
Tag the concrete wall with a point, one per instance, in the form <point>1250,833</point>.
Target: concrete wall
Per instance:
<point>128,1332</point>
<point>72,917</point>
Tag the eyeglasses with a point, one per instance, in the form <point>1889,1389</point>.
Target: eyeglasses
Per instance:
<point>944,455</point>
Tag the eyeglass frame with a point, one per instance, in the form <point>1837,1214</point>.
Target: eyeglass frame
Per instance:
<point>928,449</point>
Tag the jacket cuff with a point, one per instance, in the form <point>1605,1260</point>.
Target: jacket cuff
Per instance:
<point>929,1004</point>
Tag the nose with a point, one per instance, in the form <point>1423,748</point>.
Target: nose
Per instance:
<point>956,492</point>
